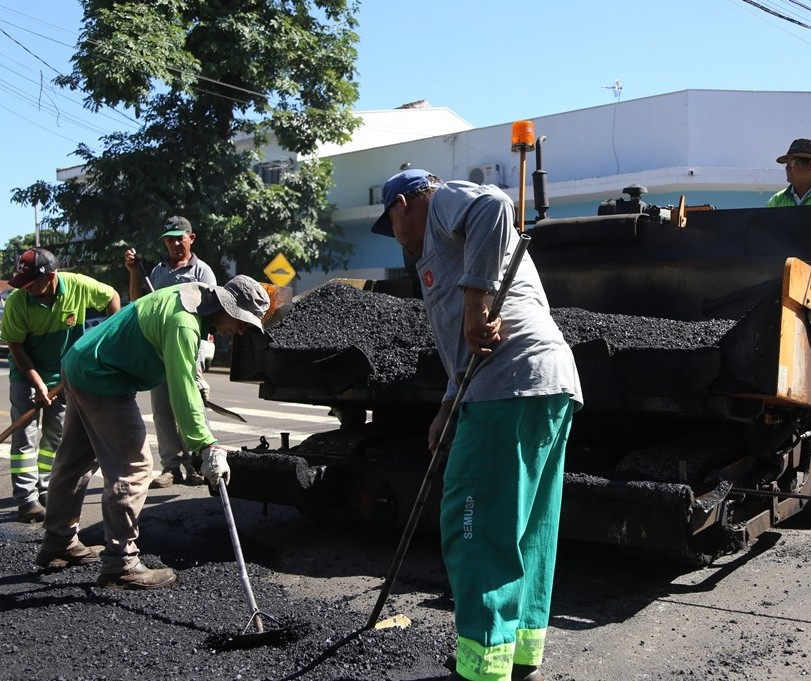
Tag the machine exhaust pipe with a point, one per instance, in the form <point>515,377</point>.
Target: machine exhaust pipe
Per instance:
<point>539,182</point>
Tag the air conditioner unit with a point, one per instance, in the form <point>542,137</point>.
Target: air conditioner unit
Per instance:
<point>271,173</point>
<point>375,194</point>
<point>487,173</point>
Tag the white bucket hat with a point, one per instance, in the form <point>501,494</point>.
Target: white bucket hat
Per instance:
<point>244,298</point>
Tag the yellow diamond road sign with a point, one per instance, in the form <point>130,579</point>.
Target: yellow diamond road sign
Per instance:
<point>279,270</point>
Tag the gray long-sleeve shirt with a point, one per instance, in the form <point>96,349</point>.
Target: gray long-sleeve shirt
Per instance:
<point>469,241</point>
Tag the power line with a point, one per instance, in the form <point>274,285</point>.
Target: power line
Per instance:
<point>180,72</point>
<point>779,15</point>
<point>30,122</point>
<point>55,91</point>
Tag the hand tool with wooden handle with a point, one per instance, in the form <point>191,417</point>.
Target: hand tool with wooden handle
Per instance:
<point>23,420</point>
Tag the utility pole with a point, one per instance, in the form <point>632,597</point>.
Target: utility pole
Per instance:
<point>36,225</point>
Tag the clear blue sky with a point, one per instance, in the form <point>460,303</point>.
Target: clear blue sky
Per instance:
<point>490,62</point>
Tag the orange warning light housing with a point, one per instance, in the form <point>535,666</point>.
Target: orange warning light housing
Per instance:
<point>523,136</point>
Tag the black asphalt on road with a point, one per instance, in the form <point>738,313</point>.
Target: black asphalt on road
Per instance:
<point>615,616</point>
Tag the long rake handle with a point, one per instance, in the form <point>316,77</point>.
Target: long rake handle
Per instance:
<point>444,439</point>
<point>243,571</point>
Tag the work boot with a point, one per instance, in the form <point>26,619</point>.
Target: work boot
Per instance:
<point>77,555</point>
<point>193,478</point>
<point>137,577</point>
<point>526,672</point>
<point>31,512</point>
<point>167,478</point>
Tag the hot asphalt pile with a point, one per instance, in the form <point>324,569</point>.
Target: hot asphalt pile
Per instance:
<point>58,625</point>
<point>625,332</point>
<point>394,332</point>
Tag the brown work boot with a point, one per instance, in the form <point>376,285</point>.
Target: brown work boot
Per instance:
<point>526,672</point>
<point>137,577</point>
<point>167,478</point>
<point>193,478</point>
<point>31,512</point>
<point>77,555</point>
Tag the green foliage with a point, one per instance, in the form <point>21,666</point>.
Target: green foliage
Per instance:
<point>199,74</point>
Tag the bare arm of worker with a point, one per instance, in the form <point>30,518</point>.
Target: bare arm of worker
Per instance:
<point>114,305</point>
<point>479,333</point>
<point>131,263</point>
<point>26,367</point>
<point>438,424</point>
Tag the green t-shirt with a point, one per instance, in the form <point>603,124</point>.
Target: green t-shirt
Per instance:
<point>151,340</point>
<point>48,331</point>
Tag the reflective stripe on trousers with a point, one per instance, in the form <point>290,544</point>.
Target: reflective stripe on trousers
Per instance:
<point>500,514</point>
<point>32,452</point>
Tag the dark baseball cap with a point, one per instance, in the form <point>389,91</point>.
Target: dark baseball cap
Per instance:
<point>31,265</point>
<point>407,182</point>
<point>176,226</point>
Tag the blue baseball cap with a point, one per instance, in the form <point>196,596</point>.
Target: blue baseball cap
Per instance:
<point>407,182</point>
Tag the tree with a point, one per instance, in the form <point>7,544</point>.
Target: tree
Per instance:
<point>197,74</point>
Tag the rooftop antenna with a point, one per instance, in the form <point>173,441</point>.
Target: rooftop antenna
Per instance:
<point>616,88</point>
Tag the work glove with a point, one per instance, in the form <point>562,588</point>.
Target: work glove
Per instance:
<point>215,465</point>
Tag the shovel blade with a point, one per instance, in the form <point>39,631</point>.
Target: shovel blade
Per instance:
<point>400,621</point>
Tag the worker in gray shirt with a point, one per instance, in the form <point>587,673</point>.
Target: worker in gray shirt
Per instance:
<point>180,267</point>
<point>503,479</point>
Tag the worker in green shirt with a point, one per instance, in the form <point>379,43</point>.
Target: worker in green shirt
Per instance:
<point>152,340</point>
<point>798,174</point>
<point>43,318</point>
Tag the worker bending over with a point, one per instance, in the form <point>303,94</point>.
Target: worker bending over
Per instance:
<point>152,340</point>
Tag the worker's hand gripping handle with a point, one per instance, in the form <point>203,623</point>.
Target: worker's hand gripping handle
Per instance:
<point>215,465</point>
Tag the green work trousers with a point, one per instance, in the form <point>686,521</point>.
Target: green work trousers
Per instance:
<point>500,514</point>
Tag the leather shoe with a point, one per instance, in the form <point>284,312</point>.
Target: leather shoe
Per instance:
<point>31,512</point>
<point>193,478</point>
<point>526,672</point>
<point>137,577</point>
<point>76,555</point>
<point>167,478</point>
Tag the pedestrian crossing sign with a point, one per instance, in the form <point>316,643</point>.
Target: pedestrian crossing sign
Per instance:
<point>279,270</point>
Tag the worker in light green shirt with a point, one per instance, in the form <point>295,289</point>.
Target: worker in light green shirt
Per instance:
<point>798,174</point>
<point>42,319</point>
<point>153,340</point>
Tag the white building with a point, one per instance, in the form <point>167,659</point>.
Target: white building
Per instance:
<point>713,146</point>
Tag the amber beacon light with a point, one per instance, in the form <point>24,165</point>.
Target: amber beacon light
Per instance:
<point>523,136</point>
<point>523,140</point>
